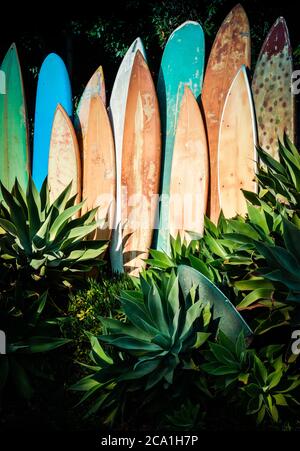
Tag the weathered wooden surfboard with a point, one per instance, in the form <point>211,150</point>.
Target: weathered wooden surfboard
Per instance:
<point>117,108</point>
<point>237,155</point>
<point>190,171</point>
<point>95,86</point>
<point>64,165</point>
<point>230,50</point>
<point>14,145</point>
<point>182,63</point>
<point>53,88</point>
<point>271,87</point>
<point>141,161</point>
<point>99,168</point>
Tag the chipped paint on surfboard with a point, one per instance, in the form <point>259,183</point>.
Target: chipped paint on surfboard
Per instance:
<point>271,86</point>
<point>141,162</point>
<point>237,155</point>
<point>99,168</point>
<point>182,63</point>
<point>14,142</point>
<point>64,165</point>
<point>190,171</point>
<point>53,88</point>
<point>117,108</point>
<point>95,86</point>
<point>231,49</point>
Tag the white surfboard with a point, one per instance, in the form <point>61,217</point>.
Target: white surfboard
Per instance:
<point>117,107</point>
<point>237,155</point>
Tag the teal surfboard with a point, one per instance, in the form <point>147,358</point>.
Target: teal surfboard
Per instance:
<point>182,64</point>
<point>14,148</point>
<point>53,88</point>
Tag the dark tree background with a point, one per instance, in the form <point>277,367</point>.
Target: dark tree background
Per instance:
<point>86,40</point>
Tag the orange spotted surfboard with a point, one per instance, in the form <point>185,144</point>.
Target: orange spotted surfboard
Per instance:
<point>99,168</point>
<point>141,159</point>
<point>64,164</point>
<point>190,171</point>
<point>271,87</point>
<point>237,155</point>
<point>231,49</point>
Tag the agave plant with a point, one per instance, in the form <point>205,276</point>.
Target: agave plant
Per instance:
<point>167,323</point>
<point>279,180</point>
<point>261,381</point>
<point>162,331</point>
<point>46,239</point>
<point>283,262</point>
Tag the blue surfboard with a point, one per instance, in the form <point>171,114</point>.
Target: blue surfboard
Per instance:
<point>182,64</point>
<point>53,88</point>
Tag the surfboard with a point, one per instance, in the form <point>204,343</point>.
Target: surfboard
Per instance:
<point>182,63</point>
<point>14,145</point>
<point>53,88</point>
<point>237,156</point>
<point>64,164</point>
<point>99,168</point>
<point>141,160</point>
<point>117,108</point>
<point>231,49</point>
<point>190,171</point>
<point>271,87</point>
<point>95,86</point>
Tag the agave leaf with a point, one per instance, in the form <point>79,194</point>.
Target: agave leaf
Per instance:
<point>200,266</point>
<point>254,296</point>
<point>257,216</point>
<point>253,284</point>
<point>192,314</point>
<point>37,308</point>
<point>156,310</point>
<point>87,383</point>
<point>62,219</point>
<point>291,235</point>
<point>253,198</point>
<point>136,313</point>
<point>37,344</point>
<point>243,229</point>
<point>211,227</point>
<point>18,218</point>
<point>215,246</point>
<point>270,162</point>
<point>8,226</point>
<point>162,260</point>
<point>288,143</point>
<point>287,154</point>
<point>131,345</point>
<point>44,195</point>
<point>60,203</point>
<point>82,231</point>
<point>19,194</point>
<point>231,322</point>
<point>116,327</point>
<point>173,304</point>
<point>278,257</point>
<point>34,208</point>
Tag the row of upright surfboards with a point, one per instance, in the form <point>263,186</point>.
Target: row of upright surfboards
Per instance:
<point>154,160</point>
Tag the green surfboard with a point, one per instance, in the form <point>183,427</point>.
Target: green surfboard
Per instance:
<point>14,148</point>
<point>182,64</point>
